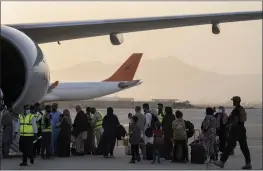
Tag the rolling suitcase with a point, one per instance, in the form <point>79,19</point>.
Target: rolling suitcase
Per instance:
<point>73,150</point>
<point>198,152</point>
<point>127,144</point>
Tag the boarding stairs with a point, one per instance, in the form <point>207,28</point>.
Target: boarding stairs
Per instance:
<point>15,145</point>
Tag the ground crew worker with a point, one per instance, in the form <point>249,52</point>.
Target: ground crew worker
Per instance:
<point>46,127</point>
<point>27,128</point>
<point>38,114</point>
<point>97,120</point>
<point>237,133</point>
<point>160,112</point>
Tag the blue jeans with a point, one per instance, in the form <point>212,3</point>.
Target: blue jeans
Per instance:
<point>54,139</point>
<point>156,153</point>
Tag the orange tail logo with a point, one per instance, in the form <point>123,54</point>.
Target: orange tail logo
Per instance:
<point>127,71</point>
<point>52,86</point>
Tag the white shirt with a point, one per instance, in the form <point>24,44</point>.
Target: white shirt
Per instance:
<point>39,116</point>
<point>148,118</point>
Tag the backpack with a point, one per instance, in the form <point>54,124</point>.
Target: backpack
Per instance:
<point>180,131</point>
<point>190,128</point>
<point>153,121</point>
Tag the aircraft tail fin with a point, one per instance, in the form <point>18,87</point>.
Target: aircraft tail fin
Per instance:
<point>128,69</point>
<point>52,86</point>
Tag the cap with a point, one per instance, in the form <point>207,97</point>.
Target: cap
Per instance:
<point>236,98</point>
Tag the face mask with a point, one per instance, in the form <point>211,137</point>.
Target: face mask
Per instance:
<point>27,111</point>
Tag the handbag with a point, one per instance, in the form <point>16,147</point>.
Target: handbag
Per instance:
<point>128,149</point>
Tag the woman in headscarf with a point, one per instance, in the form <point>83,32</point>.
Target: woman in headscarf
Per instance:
<point>209,132</point>
<point>64,135</point>
<point>110,125</point>
<point>167,123</point>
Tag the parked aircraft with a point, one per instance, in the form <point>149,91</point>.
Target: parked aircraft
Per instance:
<point>25,76</point>
<point>122,79</point>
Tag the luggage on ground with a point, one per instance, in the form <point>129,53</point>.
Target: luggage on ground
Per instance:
<point>127,144</point>
<point>73,148</point>
<point>198,152</point>
<point>121,132</point>
<point>128,149</point>
<point>149,151</point>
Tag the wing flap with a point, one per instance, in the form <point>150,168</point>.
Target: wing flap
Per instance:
<point>59,31</point>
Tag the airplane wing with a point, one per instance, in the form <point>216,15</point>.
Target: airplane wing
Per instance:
<point>59,31</point>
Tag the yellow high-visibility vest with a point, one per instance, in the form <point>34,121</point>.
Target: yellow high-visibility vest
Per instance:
<point>43,125</point>
<point>98,123</point>
<point>26,126</point>
<point>160,118</point>
<point>38,123</point>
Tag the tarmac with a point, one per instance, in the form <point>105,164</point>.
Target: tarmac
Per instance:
<point>254,133</point>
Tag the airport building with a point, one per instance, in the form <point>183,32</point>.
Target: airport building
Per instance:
<point>124,103</point>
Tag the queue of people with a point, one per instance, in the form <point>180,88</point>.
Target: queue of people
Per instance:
<point>154,134</point>
<point>166,135</point>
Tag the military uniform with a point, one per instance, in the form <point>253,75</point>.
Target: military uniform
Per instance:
<point>237,132</point>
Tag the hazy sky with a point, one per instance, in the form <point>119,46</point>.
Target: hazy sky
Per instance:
<point>237,50</point>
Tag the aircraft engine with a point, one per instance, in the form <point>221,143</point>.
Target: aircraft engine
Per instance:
<point>116,38</point>
<point>24,71</point>
<point>215,29</point>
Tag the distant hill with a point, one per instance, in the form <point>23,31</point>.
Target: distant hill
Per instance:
<point>171,78</point>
